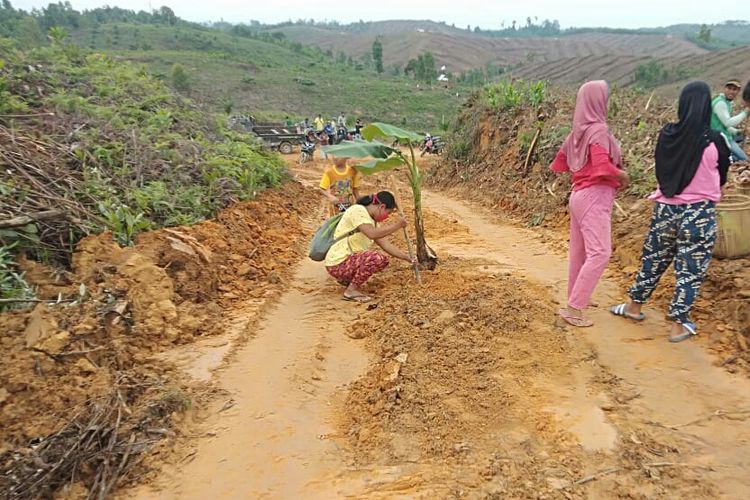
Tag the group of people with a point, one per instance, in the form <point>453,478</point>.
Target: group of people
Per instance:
<point>325,132</point>
<point>692,158</point>
<point>350,260</point>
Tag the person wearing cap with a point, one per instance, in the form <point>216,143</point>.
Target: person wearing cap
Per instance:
<point>723,121</point>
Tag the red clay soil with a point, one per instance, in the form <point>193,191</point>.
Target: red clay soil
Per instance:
<point>172,287</point>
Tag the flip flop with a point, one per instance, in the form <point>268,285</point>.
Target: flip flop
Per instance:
<point>619,310</point>
<point>357,298</point>
<point>688,330</point>
<point>572,320</point>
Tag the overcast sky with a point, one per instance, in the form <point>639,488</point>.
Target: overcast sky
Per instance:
<point>483,13</point>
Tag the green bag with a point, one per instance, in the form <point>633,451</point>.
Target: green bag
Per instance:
<point>323,239</point>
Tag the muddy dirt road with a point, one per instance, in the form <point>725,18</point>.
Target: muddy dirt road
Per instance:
<point>465,387</point>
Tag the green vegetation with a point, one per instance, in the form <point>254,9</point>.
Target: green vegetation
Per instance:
<point>377,54</point>
<point>12,284</point>
<point>507,95</point>
<point>653,73</point>
<point>133,155</point>
<point>271,78</point>
<point>422,68</point>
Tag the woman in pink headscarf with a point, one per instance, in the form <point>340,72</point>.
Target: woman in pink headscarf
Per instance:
<point>592,155</point>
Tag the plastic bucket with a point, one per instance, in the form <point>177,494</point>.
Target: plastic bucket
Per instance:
<point>733,239</point>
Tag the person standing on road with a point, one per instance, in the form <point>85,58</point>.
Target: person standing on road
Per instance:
<point>341,121</point>
<point>323,140</point>
<point>723,121</point>
<point>692,162</point>
<point>593,156</point>
<point>319,123</point>
<point>350,260</point>
<point>340,185</point>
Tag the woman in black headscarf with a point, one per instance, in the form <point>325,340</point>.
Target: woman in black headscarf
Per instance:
<point>691,166</point>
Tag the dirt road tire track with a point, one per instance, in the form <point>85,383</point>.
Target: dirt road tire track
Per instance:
<point>288,386</point>
<point>677,384</point>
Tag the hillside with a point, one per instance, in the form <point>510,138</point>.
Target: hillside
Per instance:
<point>272,80</point>
<point>713,67</point>
<point>464,51</point>
<point>569,58</point>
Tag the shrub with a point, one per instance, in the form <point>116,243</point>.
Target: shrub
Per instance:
<point>179,78</point>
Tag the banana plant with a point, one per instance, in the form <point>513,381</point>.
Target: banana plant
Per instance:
<point>385,157</point>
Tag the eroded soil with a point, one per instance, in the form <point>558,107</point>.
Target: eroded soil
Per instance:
<point>465,386</point>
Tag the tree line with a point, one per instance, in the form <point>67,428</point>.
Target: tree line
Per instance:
<point>18,23</point>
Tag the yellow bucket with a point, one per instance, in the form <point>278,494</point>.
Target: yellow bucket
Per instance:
<point>733,239</point>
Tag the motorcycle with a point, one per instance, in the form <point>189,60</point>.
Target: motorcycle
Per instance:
<point>342,135</point>
<point>306,152</point>
<point>431,145</point>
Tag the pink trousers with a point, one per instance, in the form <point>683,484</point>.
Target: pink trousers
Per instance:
<point>590,241</point>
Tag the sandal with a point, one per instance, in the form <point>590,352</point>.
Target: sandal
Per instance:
<point>619,310</point>
<point>688,330</point>
<point>357,298</point>
<point>574,320</point>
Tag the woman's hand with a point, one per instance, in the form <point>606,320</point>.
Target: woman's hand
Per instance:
<point>401,223</point>
<point>624,179</point>
<point>411,260</point>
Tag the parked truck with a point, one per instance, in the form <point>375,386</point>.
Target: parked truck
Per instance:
<point>277,136</point>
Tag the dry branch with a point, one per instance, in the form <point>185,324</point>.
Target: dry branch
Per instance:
<point>28,219</point>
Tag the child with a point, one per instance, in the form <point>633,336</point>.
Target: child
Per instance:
<point>340,185</point>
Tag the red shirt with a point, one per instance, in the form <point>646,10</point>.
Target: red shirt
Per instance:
<point>598,170</point>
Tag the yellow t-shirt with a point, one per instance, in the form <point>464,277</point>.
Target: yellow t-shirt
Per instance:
<point>355,216</point>
<point>341,184</point>
<point>318,122</point>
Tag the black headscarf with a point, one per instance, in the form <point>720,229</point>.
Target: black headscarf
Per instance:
<point>679,149</point>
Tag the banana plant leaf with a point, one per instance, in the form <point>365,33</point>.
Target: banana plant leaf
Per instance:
<point>379,130</point>
<point>379,165</point>
<point>360,149</point>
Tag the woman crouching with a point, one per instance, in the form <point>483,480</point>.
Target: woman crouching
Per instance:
<point>350,259</point>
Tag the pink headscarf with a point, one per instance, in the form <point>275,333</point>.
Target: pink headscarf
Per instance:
<point>590,126</point>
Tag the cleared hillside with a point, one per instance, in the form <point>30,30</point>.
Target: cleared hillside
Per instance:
<point>713,67</point>
<point>462,51</point>
<point>273,80</point>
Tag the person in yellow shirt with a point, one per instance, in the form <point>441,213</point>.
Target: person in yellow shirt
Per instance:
<point>318,123</point>
<point>350,259</point>
<point>340,185</point>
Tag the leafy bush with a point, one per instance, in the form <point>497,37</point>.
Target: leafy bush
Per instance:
<point>145,158</point>
<point>507,95</point>
<point>654,73</point>
<point>179,78</point>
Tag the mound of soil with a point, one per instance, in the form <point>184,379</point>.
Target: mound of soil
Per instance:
<point>127,305</point>
<point>496,175</point>
<point>460,397</point>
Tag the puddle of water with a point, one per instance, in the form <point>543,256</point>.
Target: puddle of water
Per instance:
<point>587,423</point>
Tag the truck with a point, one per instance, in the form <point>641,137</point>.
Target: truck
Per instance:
<point>276,136</point>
